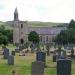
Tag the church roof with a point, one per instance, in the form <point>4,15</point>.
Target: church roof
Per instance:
<point>47,31</point>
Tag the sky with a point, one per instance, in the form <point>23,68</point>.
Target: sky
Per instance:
<point>38,10</point>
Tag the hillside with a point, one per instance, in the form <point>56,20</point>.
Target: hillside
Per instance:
<point>9,24</point>
<point>44,24</point>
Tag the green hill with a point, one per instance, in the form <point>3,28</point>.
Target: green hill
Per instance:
<point>44,24</point>
<point>9,24</point>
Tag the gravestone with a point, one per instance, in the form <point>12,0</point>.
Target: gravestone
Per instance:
<point>63,67</point>
<point>41,56</point>
<point>17,50</point>
<point>48,47</point>
<point>37,68</point>
<point>54,58</point>
<point>72,54</point>
<point>11,60</point>
<point>6,53</point>
<point>13,53</point>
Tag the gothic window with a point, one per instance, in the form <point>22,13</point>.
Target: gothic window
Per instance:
<point>46,38</point>
<point>22,41</point>
<point>41,38</point>
<point>21,25</point>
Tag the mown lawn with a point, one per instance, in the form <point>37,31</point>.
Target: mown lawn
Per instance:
<point>22,65</point>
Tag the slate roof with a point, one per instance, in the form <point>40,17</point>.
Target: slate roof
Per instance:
<point>47,30</point>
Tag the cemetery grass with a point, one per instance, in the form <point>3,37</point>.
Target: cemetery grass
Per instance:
<point>22,65</point>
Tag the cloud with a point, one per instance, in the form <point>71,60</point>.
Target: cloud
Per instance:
<point>41,10</point>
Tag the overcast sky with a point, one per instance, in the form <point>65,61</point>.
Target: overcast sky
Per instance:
<point>38,10</point>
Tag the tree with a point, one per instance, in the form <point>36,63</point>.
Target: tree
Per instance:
<point>8,33</point>
<point>33,37</point>
<point>3,39</point>
<point>67,36</point>
<point>62,38</point>
<point>72,24</point>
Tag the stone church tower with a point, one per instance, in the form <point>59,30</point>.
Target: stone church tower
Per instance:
<point>20,30</point>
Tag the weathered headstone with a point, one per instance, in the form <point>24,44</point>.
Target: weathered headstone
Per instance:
<point>10,60</point>
<point>17,50</point>
<point>13,53</point>
<point>6,53</point>
<point>37,68</point>
<point>72,53</point>
<point>54,58</point>
<point>48,47</point>
<point>41,56</point>
<point>63,67</point>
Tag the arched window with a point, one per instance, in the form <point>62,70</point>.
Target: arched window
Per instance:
<point>21,25</point>
<point>40,38</point>
<point>22,41</point>
<point>46,38</point>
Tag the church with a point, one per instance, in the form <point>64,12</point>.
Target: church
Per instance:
<point>22,29</point>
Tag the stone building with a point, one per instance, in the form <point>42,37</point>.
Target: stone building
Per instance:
<point>22,29</point>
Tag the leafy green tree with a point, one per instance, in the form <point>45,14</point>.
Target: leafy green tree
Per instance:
<point>33,37</point>
<point>2,29</point>
<point>72,24</point>
<point>3,39</point>
<point>67,36</point>
<point>7,33</point>
<point>61,38</point>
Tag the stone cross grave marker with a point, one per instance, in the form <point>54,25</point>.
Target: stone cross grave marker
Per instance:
<point>37,68</point>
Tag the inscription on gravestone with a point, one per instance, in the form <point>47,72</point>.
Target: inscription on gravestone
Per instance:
<point>63,67</point>
<point>11,60</point>
<point>41,56</point>
<point>6,53</point>
<point>37,68</point>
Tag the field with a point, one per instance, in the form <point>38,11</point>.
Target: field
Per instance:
<point>22,65</point>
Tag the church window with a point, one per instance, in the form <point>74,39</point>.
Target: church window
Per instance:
<point>41,38</point>
<point>22,41</point>
<point>21,25</point>
<point>46,38</point>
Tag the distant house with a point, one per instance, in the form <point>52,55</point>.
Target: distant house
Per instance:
<point>22,29</point>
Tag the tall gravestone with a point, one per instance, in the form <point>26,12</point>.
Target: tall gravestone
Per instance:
<point>41,56</point>
<point>48,47</point>
<point>6,53</point>
<point>54,58</point>
<point>11,60</point>
<point>37,68</point>
<point>63,67</point>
